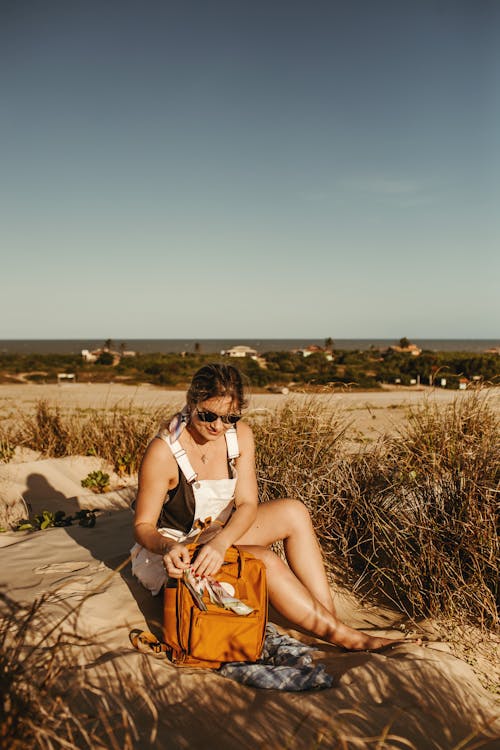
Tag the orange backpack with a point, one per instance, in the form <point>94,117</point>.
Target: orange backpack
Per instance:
<point>208,638</point>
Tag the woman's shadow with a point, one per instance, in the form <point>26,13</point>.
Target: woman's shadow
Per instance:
<point>109,541</point>
<point>40,495</point>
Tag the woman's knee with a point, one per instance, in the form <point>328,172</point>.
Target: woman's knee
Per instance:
<point>277,520</point>
<point>297,514</point>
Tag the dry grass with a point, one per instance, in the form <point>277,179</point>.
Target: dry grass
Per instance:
<point>51,700</point>
<point>48,701</point>
<point>117,435</point>
<point>413,517</point>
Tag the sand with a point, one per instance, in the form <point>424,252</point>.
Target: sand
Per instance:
<point>419,697</point>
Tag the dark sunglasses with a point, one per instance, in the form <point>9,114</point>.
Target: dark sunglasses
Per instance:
<point>211,416</point>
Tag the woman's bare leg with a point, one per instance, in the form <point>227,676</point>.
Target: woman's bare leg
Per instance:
<point>293,600</point>
<point>300,590</point>
<point>289,521</point>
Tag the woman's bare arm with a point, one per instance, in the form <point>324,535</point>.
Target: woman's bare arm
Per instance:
<point>157,474</point>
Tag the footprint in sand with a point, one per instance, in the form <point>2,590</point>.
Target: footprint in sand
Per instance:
<point>78,586</point>
<point>63,567</point>
<point>69,567</point>
<point>68,584</point>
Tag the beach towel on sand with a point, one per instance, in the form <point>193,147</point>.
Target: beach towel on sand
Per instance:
<point>285,664</point>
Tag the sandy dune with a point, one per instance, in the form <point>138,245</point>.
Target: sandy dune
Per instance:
<point>423,696</point>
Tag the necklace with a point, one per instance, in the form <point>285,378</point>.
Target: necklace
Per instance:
<point>203,455</point>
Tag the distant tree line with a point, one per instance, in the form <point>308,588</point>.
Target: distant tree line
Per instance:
<point>365,369</point>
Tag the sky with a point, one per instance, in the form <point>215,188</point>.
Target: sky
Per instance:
<point>228,169</point>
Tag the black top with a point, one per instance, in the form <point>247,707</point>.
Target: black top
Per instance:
<point>178,509</point>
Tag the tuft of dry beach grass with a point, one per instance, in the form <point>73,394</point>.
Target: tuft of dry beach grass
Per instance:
<point>48,702</point>
<point>413,517</point>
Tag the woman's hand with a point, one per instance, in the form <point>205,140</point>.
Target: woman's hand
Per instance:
<point>176,560</point>
<point>209,559</point>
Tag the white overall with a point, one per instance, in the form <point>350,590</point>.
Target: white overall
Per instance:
<point>214,502</point>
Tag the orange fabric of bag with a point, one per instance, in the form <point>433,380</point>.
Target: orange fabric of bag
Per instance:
<point>208,639</point>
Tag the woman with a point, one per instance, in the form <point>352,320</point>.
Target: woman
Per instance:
<point>197,480</point>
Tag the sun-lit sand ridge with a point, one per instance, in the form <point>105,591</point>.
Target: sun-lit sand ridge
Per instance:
<point>424,695</point>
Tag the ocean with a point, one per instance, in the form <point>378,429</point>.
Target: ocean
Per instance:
<point>215,346</point>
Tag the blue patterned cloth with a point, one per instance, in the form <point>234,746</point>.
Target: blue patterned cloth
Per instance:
<point>286,664</point>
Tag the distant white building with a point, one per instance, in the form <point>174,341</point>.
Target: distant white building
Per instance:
<point>93,356</point>
<point>314,349</point>
<point>412,349</point>
<point>240,351</point>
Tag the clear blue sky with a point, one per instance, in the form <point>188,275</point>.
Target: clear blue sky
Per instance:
<point>249,169</point>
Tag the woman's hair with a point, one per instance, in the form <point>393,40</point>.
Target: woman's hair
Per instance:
<point>217,380</point>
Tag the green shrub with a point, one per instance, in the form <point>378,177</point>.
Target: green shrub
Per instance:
<point>97,481</point>
<point>46,519</point>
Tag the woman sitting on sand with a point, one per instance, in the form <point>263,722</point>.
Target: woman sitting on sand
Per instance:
<point>202,466</point>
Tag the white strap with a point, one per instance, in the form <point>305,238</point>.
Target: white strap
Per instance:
<point>233,450</point>
<point>183,461</point>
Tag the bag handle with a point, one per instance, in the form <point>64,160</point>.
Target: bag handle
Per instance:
<point>232,551</point>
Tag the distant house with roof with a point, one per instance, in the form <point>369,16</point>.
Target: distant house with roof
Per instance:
<point>412,349</point>
<point>89,356</point>
<point>314,349</point>
<point>93,356</point>
<point>240,351</point>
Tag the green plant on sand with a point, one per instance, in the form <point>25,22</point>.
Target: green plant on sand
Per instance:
<point>47,519</point>
<point>97,481</point>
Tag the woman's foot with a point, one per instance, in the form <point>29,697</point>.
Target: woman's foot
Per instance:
<point>356,640</point>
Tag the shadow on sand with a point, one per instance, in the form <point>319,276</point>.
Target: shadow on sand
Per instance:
<point>420,698</point>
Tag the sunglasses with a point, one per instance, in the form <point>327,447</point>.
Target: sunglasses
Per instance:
<point>211,416</point>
